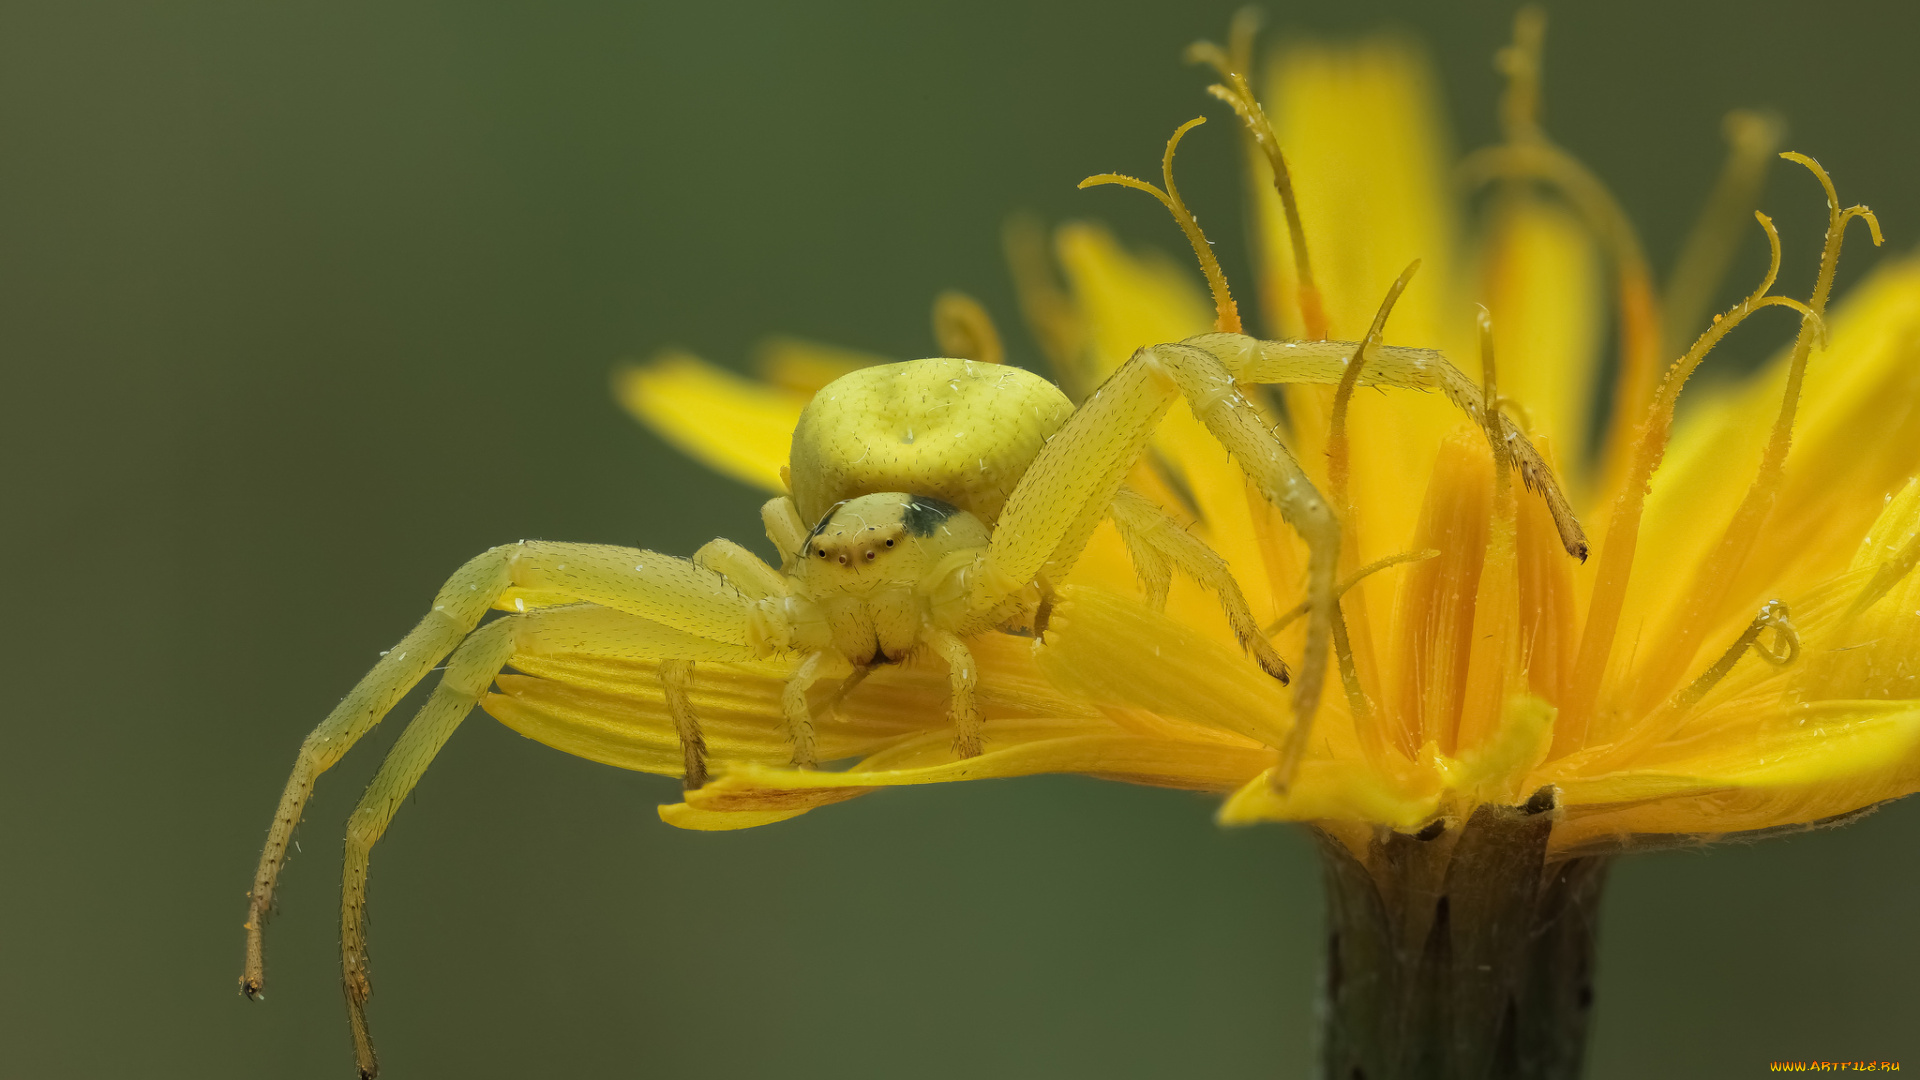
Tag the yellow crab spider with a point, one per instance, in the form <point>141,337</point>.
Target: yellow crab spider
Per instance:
<point>929,502</point>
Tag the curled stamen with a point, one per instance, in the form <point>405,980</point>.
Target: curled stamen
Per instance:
<point>1873,223</point>
<point>1226,315</point>
<point>1837,220</point>
<point>1773,257</point>
<point>1231,65</point>
<point>1516,412</point>
<point>1716,573</point>
<point>1786,649</point>
<point>1623,531</point>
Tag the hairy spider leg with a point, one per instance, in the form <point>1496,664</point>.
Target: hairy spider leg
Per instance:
<point>963,675</point>
<point>819,664</point>
<point>743,568</point>
<point>575,630</point>
<point>1254,361</point>
<point>676,682</point>
<point>469,672</point>
<point>675,594</point>
<point>784,527</point>
<point>1073,482</point>
<point>1158,544</point>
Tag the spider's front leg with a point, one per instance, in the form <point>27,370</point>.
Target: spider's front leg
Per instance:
<point>1273,362</point>
<point>1074,482</point>
<point>818,665</point>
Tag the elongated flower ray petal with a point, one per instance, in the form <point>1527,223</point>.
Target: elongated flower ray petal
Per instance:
<point>1336,791</point>
<point>1541,278</point>
<point>1804,766</point>
<point>1105,648</point>
<point>1016,748</point>
<point>1858,439</point>
<point>738,427</point>
<point>804,366</point>
<point>1368,153</point>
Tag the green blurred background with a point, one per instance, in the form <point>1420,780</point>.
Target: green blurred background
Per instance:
<point>303,305</point>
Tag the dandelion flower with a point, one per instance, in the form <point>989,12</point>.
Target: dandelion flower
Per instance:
<point>1741,652</point>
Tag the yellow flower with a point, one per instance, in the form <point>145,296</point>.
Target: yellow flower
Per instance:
<point>1742,651</point>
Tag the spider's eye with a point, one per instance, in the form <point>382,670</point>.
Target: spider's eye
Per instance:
<point>870,554</point>
<point>889,543</point>
<point>822,553</point>
<point>843,560</point>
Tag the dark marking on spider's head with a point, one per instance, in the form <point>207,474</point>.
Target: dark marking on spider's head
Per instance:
<point>924,513</point>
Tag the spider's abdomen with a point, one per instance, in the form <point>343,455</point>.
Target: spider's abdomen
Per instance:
<point>954,429</point>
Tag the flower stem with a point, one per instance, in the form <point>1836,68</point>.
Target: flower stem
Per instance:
<point>1460,952</point>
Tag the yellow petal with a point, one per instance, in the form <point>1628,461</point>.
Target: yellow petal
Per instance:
<point>804,366</point>
<point>1496,770</point>
<point>1324,790</point>
<point>1432,640</point>
<point>1856,440</point>
<point>682,816</point>
<point>1541,279</point>
<point>1870,650</point>
<point>614,710</point>
<point>1129,299</point>
<point>735,426</point>
<point>635,732</point>
<point>1107,648</point>
<point>1370,162</point>
<point>1014,748</point>
<point>1798,766</point>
